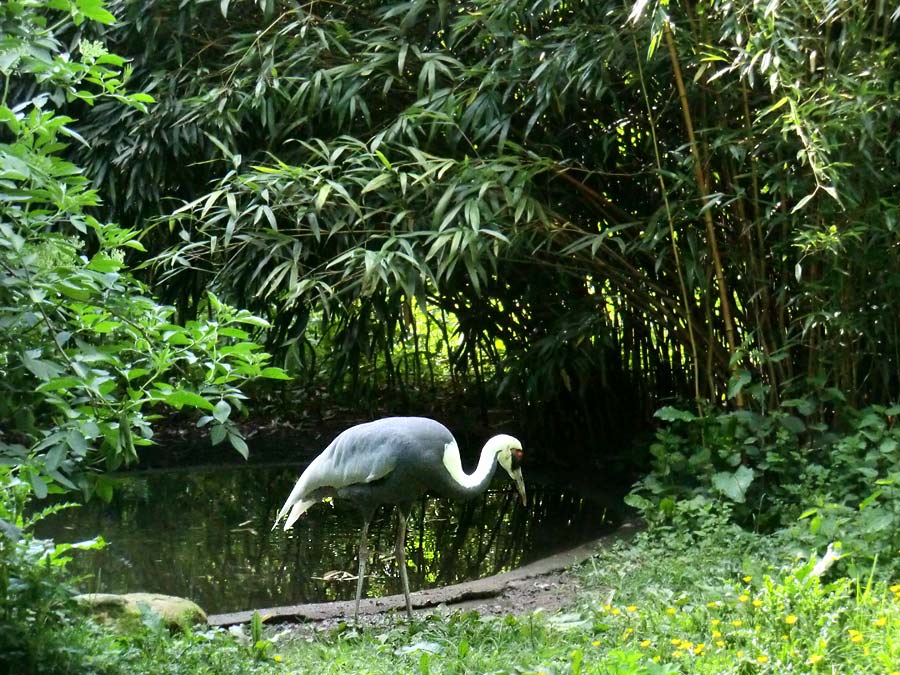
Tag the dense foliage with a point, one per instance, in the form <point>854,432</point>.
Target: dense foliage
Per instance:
<point>88,357</point>
<point>786,471</point>
<point>589,207</point>
<point>649,199</point>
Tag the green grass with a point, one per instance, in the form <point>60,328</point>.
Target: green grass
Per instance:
<point>716,602</point>
<point>722,606</point>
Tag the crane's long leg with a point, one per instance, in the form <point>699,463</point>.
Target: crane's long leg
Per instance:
<point>403,514</point>
<point>363,553</point>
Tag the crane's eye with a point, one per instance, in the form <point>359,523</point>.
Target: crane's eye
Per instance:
<point>516,459</point>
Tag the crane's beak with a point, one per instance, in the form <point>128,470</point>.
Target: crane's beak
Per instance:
<point>520,484</point>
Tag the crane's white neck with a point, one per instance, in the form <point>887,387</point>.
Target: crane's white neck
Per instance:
<point>486,463</point>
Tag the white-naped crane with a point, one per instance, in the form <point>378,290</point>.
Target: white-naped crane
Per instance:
<point>396,460</point>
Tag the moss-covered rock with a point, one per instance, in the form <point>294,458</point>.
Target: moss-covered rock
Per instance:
<point>126,610</point>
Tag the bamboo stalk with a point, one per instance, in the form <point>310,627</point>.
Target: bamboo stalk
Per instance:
<point>675,251</point>
<point>702,188</point>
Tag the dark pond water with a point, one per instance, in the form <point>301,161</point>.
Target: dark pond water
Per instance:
<point>205,534</point>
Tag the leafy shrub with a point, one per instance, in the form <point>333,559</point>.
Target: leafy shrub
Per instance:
<point>87,356</point>
<point>37,624</point>
<point>766,471</point>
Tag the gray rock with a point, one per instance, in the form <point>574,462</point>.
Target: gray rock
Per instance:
<point>125,610</point>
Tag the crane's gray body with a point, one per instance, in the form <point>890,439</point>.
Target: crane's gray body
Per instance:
<point>394,460</point>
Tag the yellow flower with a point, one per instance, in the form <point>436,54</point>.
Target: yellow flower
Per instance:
<point>671,610</point>
<point>740,654</point>
<point>716,633</point>
<point>748,579</point>
<point>656,659</point>
<point>675,641</point>
<point>815,658</point>
<point>278,658</point>
<point>595,643</point>
<point>714,603</point>
<point>856,638</point>
<point>757,603</point>
<point>720,643</point>
<point>762,658</point>
<point>628,631</point>
<point>880,621</point>
<point>698,650</point>
<point>676,653</point>
<point>645,643</point>
<point>743,598</point>
<point>631,608</point>
<point>895,588</point>
<point>615,611</point>
<point>715,622</point>
<point>737,623</point>
<point>790,619</point>
<point>607,607</point>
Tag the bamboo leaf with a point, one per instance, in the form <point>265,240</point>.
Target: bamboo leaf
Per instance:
<point>376,182</point>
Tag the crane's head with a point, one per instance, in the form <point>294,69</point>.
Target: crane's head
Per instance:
<point>509,456</point>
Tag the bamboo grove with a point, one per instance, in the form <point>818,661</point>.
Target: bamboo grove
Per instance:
<point>634,201</point>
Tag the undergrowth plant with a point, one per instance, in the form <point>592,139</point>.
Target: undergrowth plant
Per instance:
<point>35,594</point>
<point>88,357</point>
<point>822,469</point>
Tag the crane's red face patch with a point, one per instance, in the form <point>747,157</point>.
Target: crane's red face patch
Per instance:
<point>517,456</point>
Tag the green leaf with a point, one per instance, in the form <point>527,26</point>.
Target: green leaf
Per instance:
<point>734,485</point>
<point>869,500</point>
<point>793,424</point>
<point>217,434</point>
<point>815,524</point>
<point>93,9</point>
<point>376,182</point>
<point>737,382</point>
<point>38,485</point>
<point>77,442</point>
<point>239,444</point>
<point>221,411</point>
<point>102,263</point>
<point>54,458</point>
<point>253,321</point>
<point>60,383</point>
<point>322,196</point>
<point>273,373</point>
<point>181,397</point>
<point>670,414</point>
<point>887,447</point>
<point>40,368</point>
<point>799,205</point>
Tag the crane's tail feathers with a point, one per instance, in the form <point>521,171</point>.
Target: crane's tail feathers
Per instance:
<point>299,509</point>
